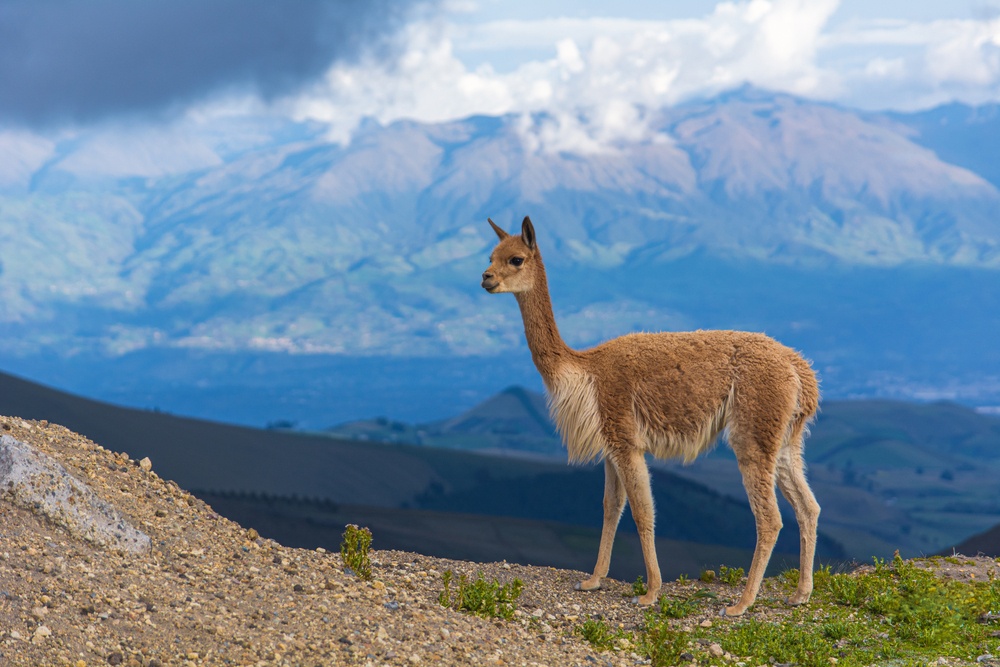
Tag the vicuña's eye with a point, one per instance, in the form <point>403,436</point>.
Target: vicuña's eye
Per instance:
<point>516,261</point>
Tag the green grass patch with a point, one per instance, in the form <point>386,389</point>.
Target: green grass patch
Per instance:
<point>894,612</point>
<point>488,599</point>
<point>601,635</point>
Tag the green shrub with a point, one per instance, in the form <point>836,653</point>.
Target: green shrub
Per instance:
<point>681,607</point>
<point>488,599</point>
<point>639,587</point>
<point>354,551</point>
<point>660,642</point>
<point>730,575</point>
<point>600,635</point>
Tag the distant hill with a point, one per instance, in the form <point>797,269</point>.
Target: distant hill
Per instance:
<point>516,419</point>
<point>305,487</point>
<point>986,543</point>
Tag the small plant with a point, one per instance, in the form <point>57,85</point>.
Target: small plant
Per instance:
<point>682,579</point>
<point>488,599</point>
<point>660,642</point>
<point>639,586</point>
<point>354,551</point>
<point>681,607</point>
<point>730,575</point>
<point>707,576</point>
<point>600,634</point>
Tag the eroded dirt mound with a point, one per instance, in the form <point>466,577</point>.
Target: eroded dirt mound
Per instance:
<point>209,594</point>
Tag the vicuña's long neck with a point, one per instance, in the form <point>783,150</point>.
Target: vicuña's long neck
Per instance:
<point>548,350</point>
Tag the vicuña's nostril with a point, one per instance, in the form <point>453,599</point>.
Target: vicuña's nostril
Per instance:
<point>487,275</point>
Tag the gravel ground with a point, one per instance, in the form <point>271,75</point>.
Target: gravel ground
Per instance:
<point>212,592</point>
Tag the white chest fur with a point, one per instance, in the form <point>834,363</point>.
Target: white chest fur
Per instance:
<point>573,405</point>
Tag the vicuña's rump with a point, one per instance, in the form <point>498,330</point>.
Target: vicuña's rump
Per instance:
<point>672,395</point>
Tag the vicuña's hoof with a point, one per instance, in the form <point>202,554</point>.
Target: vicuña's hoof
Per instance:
<point>731,611</point>
<point>644,601</point>
<point>586,587</point>
<point>796,600</point>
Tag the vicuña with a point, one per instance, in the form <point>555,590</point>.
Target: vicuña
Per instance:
<point>671,395</point>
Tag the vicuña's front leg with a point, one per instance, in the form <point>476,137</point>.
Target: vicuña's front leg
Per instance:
<point>635,479</point>
<point>614,503</point>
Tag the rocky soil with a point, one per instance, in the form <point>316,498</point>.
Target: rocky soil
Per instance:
<point>212,592</point>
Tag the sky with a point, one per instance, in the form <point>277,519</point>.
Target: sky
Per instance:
<point>597,68</point>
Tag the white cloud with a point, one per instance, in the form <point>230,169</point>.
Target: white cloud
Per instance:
<point>583,84</point>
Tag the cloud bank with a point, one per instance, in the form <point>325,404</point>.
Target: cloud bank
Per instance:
<point>85,60</point>
<point>604,75</point>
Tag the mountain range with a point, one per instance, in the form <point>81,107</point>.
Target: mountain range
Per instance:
<point>871,241</point>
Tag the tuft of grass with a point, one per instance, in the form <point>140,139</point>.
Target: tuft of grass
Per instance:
<point>660,642</point>
<point>682,607</point>
<point>488,599</point>
<point>639,587</point>
<point>601,635</point>
<point>731,575</point>
<point>355,550</point>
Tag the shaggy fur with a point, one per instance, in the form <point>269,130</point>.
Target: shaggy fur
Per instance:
<point>671,395</point>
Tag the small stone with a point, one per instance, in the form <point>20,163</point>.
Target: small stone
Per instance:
<point>145,464</point>
<point>252,535</point>
<point>41,632</point>
<point>715,650</point>
<point>687,657</point>
<point>116,658</point>
<point>161,513</point>
<point>414,659</point>
<point>706,623</point>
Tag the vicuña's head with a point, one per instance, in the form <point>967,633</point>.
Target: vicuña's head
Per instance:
<point>514,261</point>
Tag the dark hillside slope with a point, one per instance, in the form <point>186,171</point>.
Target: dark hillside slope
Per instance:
<point>986,543</point>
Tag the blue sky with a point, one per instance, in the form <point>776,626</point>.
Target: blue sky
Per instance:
<point>596,67</point>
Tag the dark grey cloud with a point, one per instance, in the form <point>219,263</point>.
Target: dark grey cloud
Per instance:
<point>83,60</point>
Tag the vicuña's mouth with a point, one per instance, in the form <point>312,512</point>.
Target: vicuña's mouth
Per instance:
<point>490,285</point>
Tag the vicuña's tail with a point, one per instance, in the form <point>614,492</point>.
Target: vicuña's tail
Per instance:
<point>809,394</point>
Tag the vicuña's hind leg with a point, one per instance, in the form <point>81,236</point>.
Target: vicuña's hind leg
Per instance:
<point>758,471</point>
<point>635,478</point>
<point>614,503</point>
<point>795,488</point>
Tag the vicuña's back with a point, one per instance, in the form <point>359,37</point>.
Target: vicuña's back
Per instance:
<point>679,391</point>
<point>672,395</point>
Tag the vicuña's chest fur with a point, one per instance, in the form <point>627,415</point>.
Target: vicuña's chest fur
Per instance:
<point>573,404</point>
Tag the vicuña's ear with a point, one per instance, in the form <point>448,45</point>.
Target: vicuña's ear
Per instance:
<point>501,233</point>
<point>528,233</point>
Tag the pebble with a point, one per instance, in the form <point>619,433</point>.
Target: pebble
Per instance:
<point>715,650</point>
<point>706,623</point>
